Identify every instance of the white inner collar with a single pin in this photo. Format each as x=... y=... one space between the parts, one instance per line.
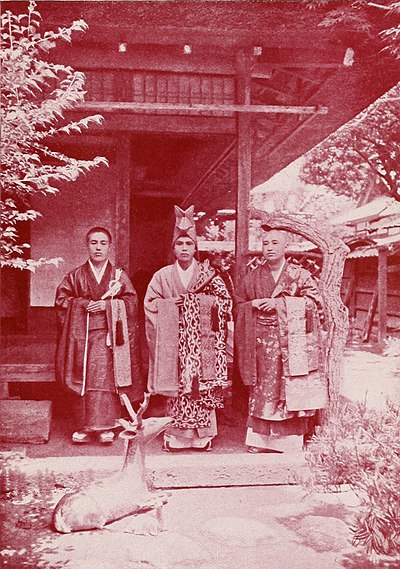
x=98 y=274
x=185 y=274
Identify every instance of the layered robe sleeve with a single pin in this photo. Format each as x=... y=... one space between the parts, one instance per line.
x=245 y=329
x=162 y=332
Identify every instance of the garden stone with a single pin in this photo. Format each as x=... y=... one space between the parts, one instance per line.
x=240 y=531
x=324 y=533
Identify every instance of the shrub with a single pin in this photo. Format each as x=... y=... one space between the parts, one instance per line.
x=361 y=447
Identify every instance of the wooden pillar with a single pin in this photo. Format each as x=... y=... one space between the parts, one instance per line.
x=243 y=162
x=122 y=202
x=382 y=294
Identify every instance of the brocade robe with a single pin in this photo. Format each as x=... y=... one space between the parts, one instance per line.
x=187 y=344
x=281 y=353
x=90 y=361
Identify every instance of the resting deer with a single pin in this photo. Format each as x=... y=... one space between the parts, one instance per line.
x=122 y=494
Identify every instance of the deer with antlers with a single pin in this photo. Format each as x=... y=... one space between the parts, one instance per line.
x=122 y=494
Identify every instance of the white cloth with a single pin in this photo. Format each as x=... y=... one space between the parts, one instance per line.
x=273 y=442
x=185 y=274
x=98 y=274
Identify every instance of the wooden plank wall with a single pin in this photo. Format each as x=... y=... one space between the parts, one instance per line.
x=160 y=87
x=358 y=286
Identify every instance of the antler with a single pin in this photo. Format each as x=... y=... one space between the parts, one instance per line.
x=142 y=409
x=129 y=407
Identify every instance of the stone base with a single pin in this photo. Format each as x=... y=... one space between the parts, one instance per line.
x=196 y=471
x=202 y=470
x=23 y=421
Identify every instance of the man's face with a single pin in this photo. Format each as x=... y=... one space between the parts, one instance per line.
x=98 y=247
x=184 y=249
x=274 y=243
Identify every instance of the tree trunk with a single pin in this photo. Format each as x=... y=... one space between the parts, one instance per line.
x=334 y=253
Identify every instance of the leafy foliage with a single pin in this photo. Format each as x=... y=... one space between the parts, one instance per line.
x=378 y=20
x=35 y=95
x=365 y=150
x=361 y=448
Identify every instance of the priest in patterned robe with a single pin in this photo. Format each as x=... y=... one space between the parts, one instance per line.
x=187 y=307
x=279 y=343
x=98 y=351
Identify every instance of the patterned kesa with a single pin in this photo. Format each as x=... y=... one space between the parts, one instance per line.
x=200 y=356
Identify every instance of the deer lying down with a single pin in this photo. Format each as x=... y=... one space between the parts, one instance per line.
x=119 y=495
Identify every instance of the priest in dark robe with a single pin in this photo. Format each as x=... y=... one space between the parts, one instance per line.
x=279 y=342
x=98 y=351
x=187 y=307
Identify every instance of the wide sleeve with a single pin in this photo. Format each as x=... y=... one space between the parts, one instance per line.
x=67 y=293
x=242 y=295
x=129 y=296
x=162 y=332
x=153 y=294
x=245 y=331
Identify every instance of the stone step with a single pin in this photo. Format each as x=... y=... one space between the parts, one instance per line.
x=27 y=372
x=24 y=421
x=187 y=470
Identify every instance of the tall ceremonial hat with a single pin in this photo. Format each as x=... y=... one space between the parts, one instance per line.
x=185 y=226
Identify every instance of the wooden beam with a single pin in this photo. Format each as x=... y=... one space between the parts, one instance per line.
x=122 y=204
x=140 y=57
x=227 y=152
x=211 y=38
x=306 y=57
x=162 y=124
x=204 y=59
x=243 y=163
x=277 y=147
x=294 y=132
x=382 y=295
x=116 y=107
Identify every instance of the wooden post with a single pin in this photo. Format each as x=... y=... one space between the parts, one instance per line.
x=382 y=294
x=369 y=321
x=243 y=163
x=122 y=202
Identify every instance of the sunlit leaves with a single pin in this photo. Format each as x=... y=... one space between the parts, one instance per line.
x=367 y=148
x=35 y=95
x=378 y=20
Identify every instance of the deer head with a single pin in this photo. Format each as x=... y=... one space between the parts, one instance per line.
x=139 y=430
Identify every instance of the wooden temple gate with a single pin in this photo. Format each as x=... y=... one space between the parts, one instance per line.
x=201 y=102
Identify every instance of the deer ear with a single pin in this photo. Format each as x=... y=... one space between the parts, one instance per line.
x=127 y=434
x=126 y=424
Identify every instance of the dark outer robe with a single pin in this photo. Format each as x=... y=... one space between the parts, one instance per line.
x=187 y=345
x=99 y=407
x=285 y=370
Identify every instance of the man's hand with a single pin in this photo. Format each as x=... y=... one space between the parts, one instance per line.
x=179 y=300
x=96 y=306
x=264 y=304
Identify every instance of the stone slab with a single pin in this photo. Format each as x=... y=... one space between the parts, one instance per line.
x=23 y=421
x=171 y=471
